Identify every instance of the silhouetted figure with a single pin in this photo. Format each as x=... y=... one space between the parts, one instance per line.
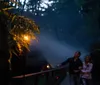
x=86 y=75
x=75 y=64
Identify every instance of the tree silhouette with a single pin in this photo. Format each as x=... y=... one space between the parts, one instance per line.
x=15 y=30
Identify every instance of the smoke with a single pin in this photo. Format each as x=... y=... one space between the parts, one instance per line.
x=53 y=50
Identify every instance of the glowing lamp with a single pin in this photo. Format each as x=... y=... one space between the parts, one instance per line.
x=48 y=66
x=26 y=38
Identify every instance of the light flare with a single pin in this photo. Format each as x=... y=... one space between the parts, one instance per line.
x=48 y=66
x=26 y=38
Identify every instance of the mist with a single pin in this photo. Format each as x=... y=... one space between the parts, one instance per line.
x=53 y=50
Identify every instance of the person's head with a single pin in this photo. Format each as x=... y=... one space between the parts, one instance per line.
x=77 y=54
x=88 y=59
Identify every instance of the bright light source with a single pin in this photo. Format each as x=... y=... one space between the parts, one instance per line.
x=26 y=37
x=40 y=9
x=48 y=66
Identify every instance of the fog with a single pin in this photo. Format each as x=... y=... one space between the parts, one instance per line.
x=53 y=50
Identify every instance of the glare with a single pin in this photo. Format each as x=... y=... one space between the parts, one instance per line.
x=43 y=9
x=25 y=10
x=48 y=66
x=14 y=4
x=17 y=7
x=47 y=2
x=9 y=2
x=38 y=2
x=40 y=9
x=41 y=5
x=22 y=1
x=30 y=10
x=26 y=38
x=44 y=5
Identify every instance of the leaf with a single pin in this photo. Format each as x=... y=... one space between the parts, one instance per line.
x=22 y=26
x=13 y=18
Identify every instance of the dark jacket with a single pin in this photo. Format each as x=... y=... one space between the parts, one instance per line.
x=73 y=65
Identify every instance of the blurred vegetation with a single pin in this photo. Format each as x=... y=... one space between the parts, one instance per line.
x=20 y=29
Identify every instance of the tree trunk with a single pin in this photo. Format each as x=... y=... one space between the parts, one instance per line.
x=4 y=53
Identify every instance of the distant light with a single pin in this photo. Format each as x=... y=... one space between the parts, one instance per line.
x=40 y=9
x=14 y=4
x=79 y=11
x=25 y=10
x=37 y=7
x=22 y=1
x=43 y=9
x=34 y=10
x=47 y=2
x=53 y=9
x=38 y=2
x=9 y=2
x=41 y=5
x=44 y=5
x=48 y=66
x=42 y=14
x=35 y=13
x=30 y=10
x=17 y=7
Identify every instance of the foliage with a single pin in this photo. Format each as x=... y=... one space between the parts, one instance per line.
x=21 y=30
